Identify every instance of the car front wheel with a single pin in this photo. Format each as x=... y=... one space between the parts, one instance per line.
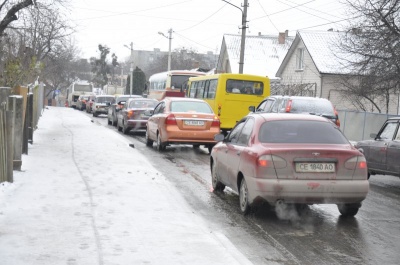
x=349 y=209
x=244 y=197
x=216 y=184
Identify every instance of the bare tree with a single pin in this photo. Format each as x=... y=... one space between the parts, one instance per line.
x=373 y=39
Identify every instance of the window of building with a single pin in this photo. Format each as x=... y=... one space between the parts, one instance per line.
x=300 y=59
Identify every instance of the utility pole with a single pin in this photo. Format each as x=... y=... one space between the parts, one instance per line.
x=169 y=49
x=242 y=43
x=131 y=69
x=244 y=27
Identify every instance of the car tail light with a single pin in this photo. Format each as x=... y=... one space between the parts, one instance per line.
x=356 y=162
x=359 y=165
x=215 y=122
x=267 y=165
x=130 y=113
x=337 y=117
x=288 y=106
x=170 y=120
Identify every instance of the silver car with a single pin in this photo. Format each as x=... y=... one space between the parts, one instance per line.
x=101 y=104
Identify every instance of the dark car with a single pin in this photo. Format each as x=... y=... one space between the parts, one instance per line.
x=132 y=116
x=289 y=159
x=81 y=103
x=298 y=104
x=383 y=151
x=117 y=106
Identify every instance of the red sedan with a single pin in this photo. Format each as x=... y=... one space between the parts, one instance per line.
x=290 y=159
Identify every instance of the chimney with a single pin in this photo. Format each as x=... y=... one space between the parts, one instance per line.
x=281 y=38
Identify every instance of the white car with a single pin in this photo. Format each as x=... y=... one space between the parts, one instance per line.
x=101 y=104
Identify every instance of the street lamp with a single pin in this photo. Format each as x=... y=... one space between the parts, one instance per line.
x=169 y=49
x=242 y=43
x=131 y=69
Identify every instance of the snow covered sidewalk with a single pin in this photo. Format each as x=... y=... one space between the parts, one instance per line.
x=85 y=197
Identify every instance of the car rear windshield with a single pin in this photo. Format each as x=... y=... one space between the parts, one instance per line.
x=105 y=99
x=318 y=107
x=143 y=103
x=301 y=131
x=190 y=106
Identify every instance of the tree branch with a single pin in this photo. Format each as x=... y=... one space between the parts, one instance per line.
x=11 y=14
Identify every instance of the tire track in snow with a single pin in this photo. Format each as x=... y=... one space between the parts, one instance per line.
x=99 y=249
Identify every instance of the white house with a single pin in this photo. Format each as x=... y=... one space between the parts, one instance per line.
x=312 y=67
x=263 y=54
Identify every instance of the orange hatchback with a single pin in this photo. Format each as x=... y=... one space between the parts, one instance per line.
x=178 y=120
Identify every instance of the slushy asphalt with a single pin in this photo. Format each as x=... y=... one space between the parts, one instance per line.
x=85 y=197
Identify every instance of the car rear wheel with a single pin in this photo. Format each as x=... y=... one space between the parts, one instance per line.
x=244 y=197
x=119 y=127
x=149 y=142
x=109 y=122
x=349 y=209
x=160 y=145
x=125 y=129
x=216 y=184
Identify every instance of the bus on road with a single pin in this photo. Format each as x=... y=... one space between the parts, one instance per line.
x=76 y=89
x=170 y=83
x=230 y=95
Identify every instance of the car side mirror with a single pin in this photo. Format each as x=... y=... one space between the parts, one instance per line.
x=149 y=112
x=219 y=137
x=373 y=135
x=252 y=108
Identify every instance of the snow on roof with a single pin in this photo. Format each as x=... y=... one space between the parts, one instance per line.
x=323 y=47
x=263 y=53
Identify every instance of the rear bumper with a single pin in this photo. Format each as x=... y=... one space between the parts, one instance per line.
x=307 y=191
x=136 y=124
x=190 y=137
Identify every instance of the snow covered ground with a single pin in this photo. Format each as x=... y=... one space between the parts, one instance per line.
x=85 y=197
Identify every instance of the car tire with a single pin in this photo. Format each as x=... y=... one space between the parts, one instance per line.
x=244 y=197
x=114 y=121
x=160 y=145
x=119 y=128
x=210 y=147
x=95 y=114
x=149 y=142
x=109 y=122
x=125 y=129
x=217 y=185
x=196 y=146
x=349 y=209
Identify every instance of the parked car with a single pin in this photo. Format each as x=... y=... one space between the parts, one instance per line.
x=101 y=104
x=81 y=103
x=117 y=106
x=89 y=103
x=383 y=151
x=133 y=114
x=289 y=159
x=298 y=104
x=178 y=120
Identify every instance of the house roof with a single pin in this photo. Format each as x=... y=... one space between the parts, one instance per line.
x=323 y=47
x=263 y=53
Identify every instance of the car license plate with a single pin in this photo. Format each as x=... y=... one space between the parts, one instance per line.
x=194 y=123
x=315 y=167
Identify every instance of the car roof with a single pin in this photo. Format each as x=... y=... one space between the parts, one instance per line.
x=183 y=99
x=296 y=97
x=287 y=116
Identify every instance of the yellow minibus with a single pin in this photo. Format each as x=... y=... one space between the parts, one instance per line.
x=230 y=95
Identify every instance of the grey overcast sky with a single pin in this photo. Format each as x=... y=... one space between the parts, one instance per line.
x=197 y=24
